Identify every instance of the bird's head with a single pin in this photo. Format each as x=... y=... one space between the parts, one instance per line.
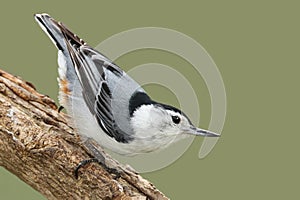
x=158 y=121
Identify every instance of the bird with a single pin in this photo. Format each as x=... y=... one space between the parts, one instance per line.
x=104 y=103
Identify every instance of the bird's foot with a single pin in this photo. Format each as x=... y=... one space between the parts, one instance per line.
x=114 y=171
x=60 y=109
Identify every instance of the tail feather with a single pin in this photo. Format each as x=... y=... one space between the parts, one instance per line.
x=51 y=28
x=62 y=37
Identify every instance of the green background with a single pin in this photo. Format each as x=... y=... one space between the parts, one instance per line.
x=256 y=48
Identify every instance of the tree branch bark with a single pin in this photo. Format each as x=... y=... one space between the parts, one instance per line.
x=38 y=146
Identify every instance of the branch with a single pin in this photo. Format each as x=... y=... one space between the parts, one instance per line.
x=38 y=146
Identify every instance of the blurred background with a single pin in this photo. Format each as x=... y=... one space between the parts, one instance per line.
x=256 y=48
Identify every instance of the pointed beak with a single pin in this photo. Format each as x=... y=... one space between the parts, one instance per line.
x=202 y=132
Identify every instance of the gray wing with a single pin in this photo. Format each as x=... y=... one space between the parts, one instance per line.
x=95 y=72
x=107 y=89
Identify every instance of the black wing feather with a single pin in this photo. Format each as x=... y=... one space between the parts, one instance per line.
x=105 y=117
x=99 y=102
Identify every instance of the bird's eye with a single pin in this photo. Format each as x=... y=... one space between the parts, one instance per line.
x=176 y=119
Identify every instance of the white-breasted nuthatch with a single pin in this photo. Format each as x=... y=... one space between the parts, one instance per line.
x=105 y=104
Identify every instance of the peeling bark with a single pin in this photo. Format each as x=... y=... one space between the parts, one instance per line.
x=38 y=146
